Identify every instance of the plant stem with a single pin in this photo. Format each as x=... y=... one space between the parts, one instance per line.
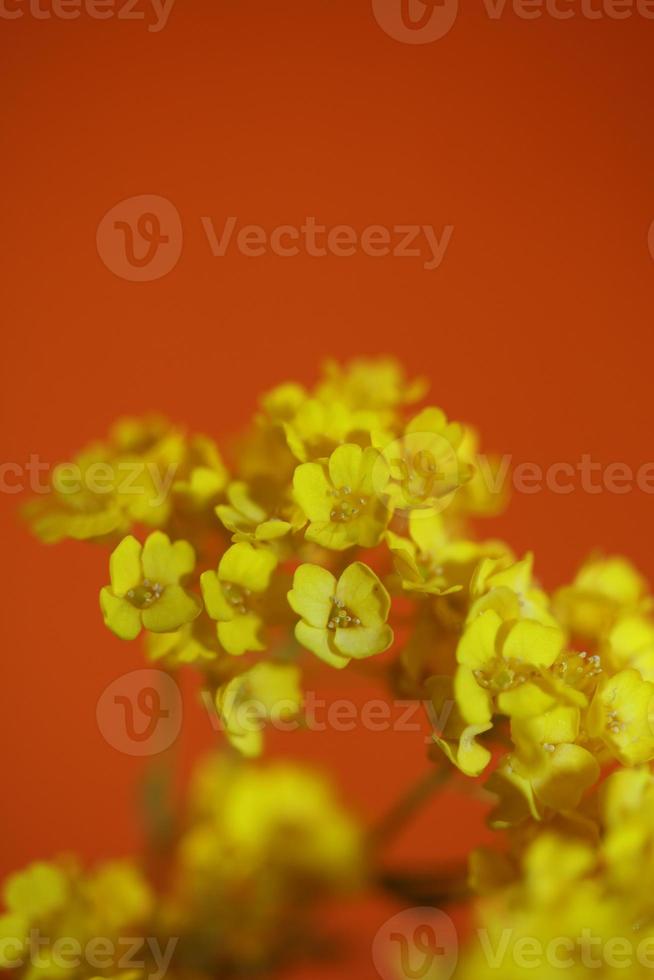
x=407 y=806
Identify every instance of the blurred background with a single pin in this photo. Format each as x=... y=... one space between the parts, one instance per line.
x=529 y=139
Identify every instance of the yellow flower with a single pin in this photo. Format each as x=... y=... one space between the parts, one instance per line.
x=501 y=664
x=631 y=644
x=193 y=643
x=246 y=519
x=341 y=498
x=37 y=892
x=145 y=588
x=369 y=384
x=266 y=692
x=344 y=619
x=558 y=770
x=203 y=475
x=118 y=895
x=509 y=589
x=603 y=589
x=71 y=509
x=454 y=737
x=425 y=469
x=317 y=428
x=232 y=595
x=622 y=716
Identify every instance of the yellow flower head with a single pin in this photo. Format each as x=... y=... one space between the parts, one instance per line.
x=341 y=499
x=622 y=716
x=145 y=588
x=202 y=475
x=500 y=665
x=232 y=595
x=342 y=619
x=247 y=519
x=603 y=589
x=370 y=384
x=266 y=692
x=37 y=892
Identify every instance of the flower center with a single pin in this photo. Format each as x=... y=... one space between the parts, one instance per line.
x=578 y=670
x=504 y=675
x=340 y=617
x=347 y=505
x=236 y=596
x=145 y=594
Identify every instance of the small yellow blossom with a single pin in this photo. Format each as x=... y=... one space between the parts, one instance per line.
x=232 y=595
x=500 y=665
x=37 y=892
x=603 y=589
x=145 y=588
x=247 y=519
x=341 y=500
x=547 y=756
x=622 y=716
x=266 y=692
x=203 y=475
x=341 y=619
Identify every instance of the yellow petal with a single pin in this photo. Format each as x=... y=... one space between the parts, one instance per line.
x=333 y=535
x=474 y=702
x=363 y=594
x=570 y=771
x=345 y=467
x=530 y=642
x=524 y=701
x=317 y=641
x=311 y=596
x=175 y=608
x=125 y=566
x=241 y=634
x=477 y=647
x=359 y=642
x=214 y=598
x=120 y=616
x=247 y=566
x=164 y=562
x=312 y=491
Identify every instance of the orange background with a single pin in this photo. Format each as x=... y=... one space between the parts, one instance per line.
x=532 y=138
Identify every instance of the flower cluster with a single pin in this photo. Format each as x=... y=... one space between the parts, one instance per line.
x=341 y=512
x=258 y=848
